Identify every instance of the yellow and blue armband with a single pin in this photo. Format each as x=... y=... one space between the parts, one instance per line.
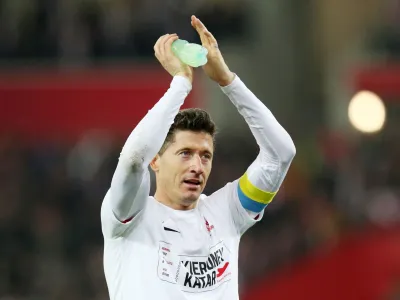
x=251 y=197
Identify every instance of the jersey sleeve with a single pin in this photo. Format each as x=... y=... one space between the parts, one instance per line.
x=241 y=203
x=112 y=226
x=262 y=180
x=130 y=185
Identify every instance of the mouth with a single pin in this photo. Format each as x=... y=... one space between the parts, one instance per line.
x=192 y=183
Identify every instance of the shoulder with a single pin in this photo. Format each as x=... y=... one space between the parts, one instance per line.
x=221 y=197
x=228 y=190
x=112 y=227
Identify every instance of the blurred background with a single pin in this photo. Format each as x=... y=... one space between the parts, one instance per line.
x=77 y=75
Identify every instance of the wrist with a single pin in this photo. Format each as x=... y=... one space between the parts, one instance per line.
x=227 y=80
x=186 y=75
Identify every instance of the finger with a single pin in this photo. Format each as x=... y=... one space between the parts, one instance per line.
x=168 y=43
x=192 y=18
x=201 y=30
x=211 y=39
x=157 y=46
x=200 y=24
x=162 y=44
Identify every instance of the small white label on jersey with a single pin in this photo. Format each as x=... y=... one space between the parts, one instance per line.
x=194 y=273
x=167 y=263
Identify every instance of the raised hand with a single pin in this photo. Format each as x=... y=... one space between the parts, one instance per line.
x=172 y=64
x=216 y=68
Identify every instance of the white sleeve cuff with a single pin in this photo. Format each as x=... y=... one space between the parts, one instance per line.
x=230 y=87
x=181 y=81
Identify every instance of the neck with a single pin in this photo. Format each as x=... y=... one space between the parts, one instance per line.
x=167 y=201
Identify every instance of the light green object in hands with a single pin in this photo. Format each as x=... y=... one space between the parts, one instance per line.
x=193 y=55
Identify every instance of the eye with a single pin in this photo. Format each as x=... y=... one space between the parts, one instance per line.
x=185 y=153
x=207 y=156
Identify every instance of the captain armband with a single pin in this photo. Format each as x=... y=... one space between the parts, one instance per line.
x=251 y=197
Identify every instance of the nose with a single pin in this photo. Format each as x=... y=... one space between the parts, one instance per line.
x=197 y=166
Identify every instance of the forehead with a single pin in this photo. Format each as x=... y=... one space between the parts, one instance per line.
x=201 y=141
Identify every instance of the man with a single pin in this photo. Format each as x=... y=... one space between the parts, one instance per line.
x=181 y=244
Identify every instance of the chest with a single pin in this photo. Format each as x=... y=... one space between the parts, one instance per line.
x=196 y=256
x=194 y=253
x=190 y=236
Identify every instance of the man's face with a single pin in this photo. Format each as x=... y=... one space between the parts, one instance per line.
x=183 y=169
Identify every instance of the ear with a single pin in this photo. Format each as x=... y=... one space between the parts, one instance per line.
x=154 y=164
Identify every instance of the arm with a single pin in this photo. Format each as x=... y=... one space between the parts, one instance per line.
x=259 y=184
x=141 y=147
x=263 y=178
x=130 y=184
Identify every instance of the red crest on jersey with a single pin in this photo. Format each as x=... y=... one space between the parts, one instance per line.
x=208 y=226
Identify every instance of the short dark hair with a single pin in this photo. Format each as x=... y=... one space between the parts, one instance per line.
x=191 y=119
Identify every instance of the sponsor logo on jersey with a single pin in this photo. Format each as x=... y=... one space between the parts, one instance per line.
x=195 y=273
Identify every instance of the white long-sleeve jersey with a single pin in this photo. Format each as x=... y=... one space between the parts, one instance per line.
x=161 y=253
